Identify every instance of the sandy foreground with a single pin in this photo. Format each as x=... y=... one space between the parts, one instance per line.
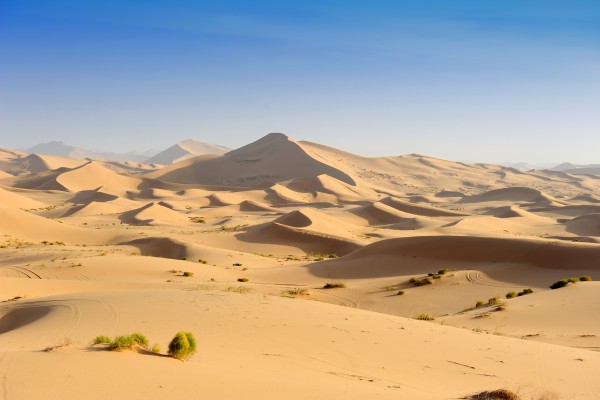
x=92 y=248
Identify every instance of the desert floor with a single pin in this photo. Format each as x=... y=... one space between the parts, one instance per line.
x=237 y=249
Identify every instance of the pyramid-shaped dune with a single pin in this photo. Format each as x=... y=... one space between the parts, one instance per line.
x=273 y=158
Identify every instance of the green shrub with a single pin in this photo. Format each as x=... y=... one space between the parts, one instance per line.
x=156 y=348
x=188 y=274
x=140 y=339
x=334 y=285
x=102 y=340
x=400 y=293
x=123 y=342
x=511 y=295
x=563 y=283
x=242 y=280
x=585 y=278
x=201 y=261
x=493 y=301
x=524 y=292
x=182 y=346
x=443 y=271
x=237 y=264
x=479 y=303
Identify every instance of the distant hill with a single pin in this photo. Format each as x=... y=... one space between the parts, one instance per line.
x=58 y=148
x=186 y=149
x=590 y=169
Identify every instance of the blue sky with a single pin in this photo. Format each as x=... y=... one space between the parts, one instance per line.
x=511 y=80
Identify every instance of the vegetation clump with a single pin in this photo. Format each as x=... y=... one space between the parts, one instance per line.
x=182 y=346
x=563 y=283
x=585 y=278
x=242 y=280
x=123 y=342
x=400 y=293
x=524 y=292
x=296 y=292
x=500 y=394
x=424 y=317
x=511 y=295
x=188 y=274
x=334 y=285
x=238 y=289
x=197 y=220
x=102 y=340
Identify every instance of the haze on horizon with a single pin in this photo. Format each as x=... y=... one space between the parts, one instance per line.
x=466 y=80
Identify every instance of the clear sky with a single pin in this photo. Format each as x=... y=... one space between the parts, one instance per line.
x=477 y=80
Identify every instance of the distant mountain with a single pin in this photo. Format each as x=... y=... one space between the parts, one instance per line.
x=590 y=169
x=525 y=166
x=186 y=149
x=563 y=167
x=58 y=148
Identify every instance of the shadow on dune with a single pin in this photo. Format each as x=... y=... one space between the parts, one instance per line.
x=402 y=256
x=22 y=316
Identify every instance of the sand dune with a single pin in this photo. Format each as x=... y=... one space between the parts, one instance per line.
x=510 y=212
x=153 y=214
x=15 y=200
x=454 y=250
x=24 y=225
x=328 y=358
x=309 y=230
x=184 y=150
x=585 y=225
x=513 y=194
x=341 y=191
x=569 y=211
x=275 y=157
x=78 y=179
x=419 y=209
x=18 y=163
x=380 y=214
x=586 y=198
x=533 y=316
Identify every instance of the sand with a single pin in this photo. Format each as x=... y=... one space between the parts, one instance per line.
x=236 y=247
